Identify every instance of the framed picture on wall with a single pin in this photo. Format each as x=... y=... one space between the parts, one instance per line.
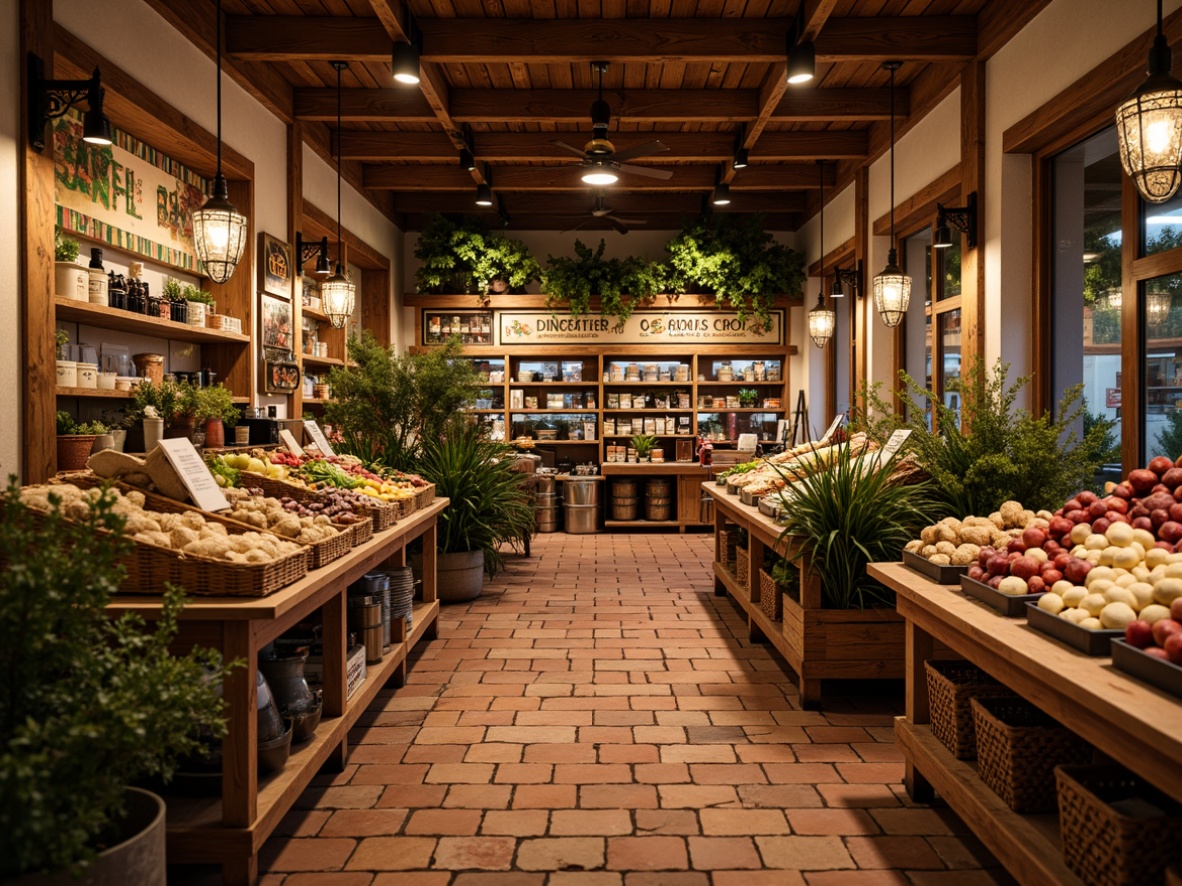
x=278 y=331
x=275 y=269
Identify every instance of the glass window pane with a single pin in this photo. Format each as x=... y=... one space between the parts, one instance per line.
x=1163 y=366
x=950 y=267
x=1163 y=226
x=1086 y=281
x=949 y=325
x=917 y=327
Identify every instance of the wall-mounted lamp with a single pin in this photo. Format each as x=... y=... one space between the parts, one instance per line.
x=306 y=251
x=851 y=277
x=50 y=99
x=963 y=218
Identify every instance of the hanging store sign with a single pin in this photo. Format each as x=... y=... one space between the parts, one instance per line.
x=516 y=328
x=126 y=194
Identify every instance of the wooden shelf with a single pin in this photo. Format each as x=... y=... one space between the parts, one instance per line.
x=1029 y=845
x=94 y=393
x=140 y=324
x=538 y=443
x=640 y=524
x=549 y=384
x=316 y=315
x=572 y=410
x=323 y=361
x=313 y=401
x=648 y=411
x=483 y=411
x=649 y=384
x=658 y=436
x=737 y=384
x=720 y=410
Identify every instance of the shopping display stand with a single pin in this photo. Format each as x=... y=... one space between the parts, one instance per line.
x=232 y=828
x=1120 y=716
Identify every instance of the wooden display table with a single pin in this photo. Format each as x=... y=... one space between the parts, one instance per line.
x=688 y=474
x=1137 y=725
x=231 y=829
x=818 y=643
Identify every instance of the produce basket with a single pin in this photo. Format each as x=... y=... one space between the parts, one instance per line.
x=1124 y=832
x=425 y=496
x=771 y=597
x=728 y=542
x=944 y=575
x=742 y=566
x=1097 y=642
x=951 y=686
x=362 y=531
x=383 y=514
x=1018 y=748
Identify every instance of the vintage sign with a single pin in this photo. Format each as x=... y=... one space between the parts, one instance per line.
x=126 y=194
x=516 y=328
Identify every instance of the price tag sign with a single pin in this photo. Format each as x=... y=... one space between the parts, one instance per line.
x=882 y=457
x=318 y=437
x=833 y=427
x=289 y=441
x=202 y=487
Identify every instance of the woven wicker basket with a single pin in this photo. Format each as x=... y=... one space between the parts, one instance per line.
x=951 y=686
x=1018 y=748
x=383 y=514
x=771 y=597
x=425 y=496
x=362 y=531
x=742 y=566
x=729 y=542
x=1108 y=847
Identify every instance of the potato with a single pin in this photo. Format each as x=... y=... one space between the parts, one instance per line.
x=1117 y=615
x=1125 y=580
x=1167 y=590
x=913 y=547
x=940 y=559
x=945 y=547
x=1146 y=539
x=1075 y=616
x=1117 y=594
x=965 y=555
x=1051 y=602
x=1142 y=594
x=1080 y=533
x=976 y=535
x=1154 y=612
x=1092 y=604
x=1012 y=586
x=1125 y=558
x=1095 y=542
x=1099 y=587
x=927 y=535
x=1062 y=586
x=946 y=534
x=1091 y=624
x=1037 y=554
x=1120 y=534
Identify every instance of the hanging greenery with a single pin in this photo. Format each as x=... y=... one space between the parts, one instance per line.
x=463 y=255
x=621 y=284
x=734 y=259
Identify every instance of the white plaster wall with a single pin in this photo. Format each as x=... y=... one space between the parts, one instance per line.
x=11 y=270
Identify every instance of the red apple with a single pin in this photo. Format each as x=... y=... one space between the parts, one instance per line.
x=1051 y=576
x=1036 y=584
x=1160 y=464
x=1142 y=480
x=1139 y=633
x=1156 y=652
x=1101 y=526
x=1097 y=509
x=1077 y=570
x=1142 y=523
x=1163 y=628
x=1173 y=648
x=1086 y=497
x=1059 y=526
x=1170 y=531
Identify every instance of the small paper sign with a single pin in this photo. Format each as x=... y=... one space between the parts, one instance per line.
x=185 y=460
x=882 y=457
x=289 y=441
x=833 y=427
x=318 y=437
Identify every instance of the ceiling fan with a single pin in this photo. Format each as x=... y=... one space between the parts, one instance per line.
x=600 y=211
x=601 y=161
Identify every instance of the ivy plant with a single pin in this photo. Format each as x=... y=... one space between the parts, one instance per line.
x=621 y=284
x=463 y=255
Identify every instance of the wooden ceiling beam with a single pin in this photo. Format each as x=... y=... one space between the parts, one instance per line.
x=534 y=146
x=566 y=224
x=358 y=105
x=558 y=178
x=565 y=41
x=577 y=205
x=840 y=104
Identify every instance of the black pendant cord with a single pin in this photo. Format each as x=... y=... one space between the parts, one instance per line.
x=821 y=166
x=893 y=158
x=1159 y=16
x=339 y=67
x=218 y=28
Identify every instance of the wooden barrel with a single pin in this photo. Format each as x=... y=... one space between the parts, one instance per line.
x=658 y=500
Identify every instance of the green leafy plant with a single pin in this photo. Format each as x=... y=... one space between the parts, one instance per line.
x=786 y=575
x=1169 y=439
x=488 y=507
x=191 y=293
x=173 y=289
x=643 y=444
x=66 y=426
x=463 y=255
x=215 y=401
x=621 y=285
x=64 y=248
x=389 y=405
x=165 y=398
x=848 y=516
x=61 y=339
x=734 y=259
x=88 y=703
x=1009 y=454
x=748 y=397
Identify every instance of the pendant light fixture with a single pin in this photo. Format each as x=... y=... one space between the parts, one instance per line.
x=219 y=230
x=1149 y=124
x=892 y=288
x=1157 y=308
x=822 y=320
x=338 y=292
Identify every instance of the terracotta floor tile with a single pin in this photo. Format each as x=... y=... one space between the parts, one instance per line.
x=857 y=878
x=493 y=753
x=646 y=854
x=561 y=853
x=831 y=822
x=718 y=753
x=894 y=852
x=757 y=878
x=742 y=822
x=804 y=853
x=515 y=823
x=697 y=796
x=727 y=773
x=342 y=797
x=312 y=854
x=400 y=774
x=524 y=773
x=662 y=773
x=545 y=796
x=392 y=854
x=444 y=822
x=716 y=853
x=484 y=853
x=864 y=795
x=593 y=773
x=559 y=753
x=667 y=822
x=585 y=878
x=304 y=823
x=668 y=878
x=905 y=822
x=478 y=796
x=333 y=878
x=871 y=773
x=629 y=753
x=364 y=823
x=413 y=795
x=596 y=822
x=618 y=796
x=420 y=878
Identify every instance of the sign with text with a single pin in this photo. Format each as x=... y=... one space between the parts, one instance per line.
x=289 y=440
x=833 y=427
x=318 y=437
x=516 y=328
x=186 y=461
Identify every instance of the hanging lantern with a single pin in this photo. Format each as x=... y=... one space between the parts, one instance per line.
x=338 y=295
x=892 y=288
x=822 y=323
x=1157 y=307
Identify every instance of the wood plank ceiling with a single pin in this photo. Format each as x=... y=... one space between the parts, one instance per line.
x=705 y=77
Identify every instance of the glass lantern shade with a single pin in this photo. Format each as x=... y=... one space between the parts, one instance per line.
x=1157 y=307
x=1114 y=299
x=338 y=294
x=892 y=293
x=822 y=323
x=1149 y=125
x=219 y=234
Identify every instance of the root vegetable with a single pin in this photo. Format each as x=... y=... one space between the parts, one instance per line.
x=1154 y=613
x=1051 y=602
x=1091 y=624
x=1139 y=633
x=1142 y=480
x=1012 y=586
x=1160 y=465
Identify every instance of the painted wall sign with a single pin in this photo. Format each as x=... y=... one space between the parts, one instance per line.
x=127 y=194
x=516 y=328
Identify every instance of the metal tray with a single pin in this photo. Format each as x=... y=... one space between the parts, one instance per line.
x=945 y=575
x=748 y=498
x=1014 y=607
x=1158 y=672
x=771 y=506
x=1090 y=642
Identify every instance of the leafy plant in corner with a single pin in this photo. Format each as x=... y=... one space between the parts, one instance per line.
x=66 y=426
x=61 y=339
x=488 y=507
x=848 y=516
x=733 y=258
x=748 y=397
x=88 y=703
x=64 y=248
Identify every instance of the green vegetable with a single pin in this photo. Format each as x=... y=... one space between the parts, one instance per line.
x=223 y=473
x=328 y=474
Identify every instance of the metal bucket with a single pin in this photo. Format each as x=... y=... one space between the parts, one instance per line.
x=580 y=491
x=549 y=520
x=546 y=483
x=581 y=519
x=546 y=500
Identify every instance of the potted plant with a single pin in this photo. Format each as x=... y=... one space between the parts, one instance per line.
x=75 y=441
x=67 y=370
x=152 y=410
x=643 y=444
x=463 y=255
x=214 y=409
x=184 y=417
x=199 y=304
x=70 y=279
x=619 y=284
x=489 y=507
x=748 y=397
x=89 y=704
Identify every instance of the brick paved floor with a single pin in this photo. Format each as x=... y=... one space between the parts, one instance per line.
x=599 y=718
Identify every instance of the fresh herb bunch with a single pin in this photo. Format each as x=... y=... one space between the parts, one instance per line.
x=390 y=405
x=620 y=284
x=89 y=703
x=848 y=516
x=67 y=426
x=736 y=260
x=167 y=398
x=488 y=507
x=748 y=397
x=64 y=248
x=172 y=289
x=215 y=401
x=322 y=473
x=191 y=293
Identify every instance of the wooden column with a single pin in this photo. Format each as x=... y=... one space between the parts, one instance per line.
x=972 y=167
x=860 y=310
x=295 y=223
x=38 y=394
x=375 y=303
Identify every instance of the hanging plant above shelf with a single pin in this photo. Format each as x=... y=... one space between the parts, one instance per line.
x=732 y=258
x=465 y=256
x=621 y=285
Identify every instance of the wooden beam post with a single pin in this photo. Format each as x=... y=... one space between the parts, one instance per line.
x=972 y=167
x=861 y=309
x=295 y=218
